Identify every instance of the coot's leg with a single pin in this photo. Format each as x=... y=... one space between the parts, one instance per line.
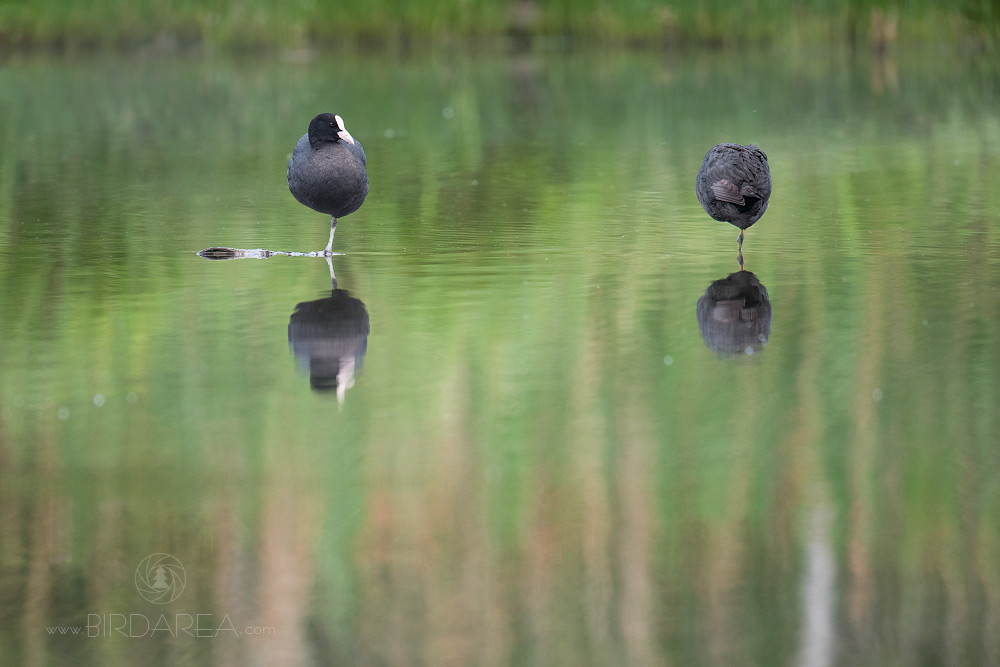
x=740 y=240
x=333 y=228
x=333 y=278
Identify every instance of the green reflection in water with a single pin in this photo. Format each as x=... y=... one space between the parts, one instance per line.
x=541 y=461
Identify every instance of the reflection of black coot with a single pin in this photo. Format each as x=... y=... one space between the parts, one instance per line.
x=734 y=314
x=329 y=337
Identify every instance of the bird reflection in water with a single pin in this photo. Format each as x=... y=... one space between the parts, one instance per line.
x=734 y=315
x=329 y=338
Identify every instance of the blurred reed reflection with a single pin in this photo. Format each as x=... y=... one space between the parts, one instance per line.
x=734 y=314
x=329 y=338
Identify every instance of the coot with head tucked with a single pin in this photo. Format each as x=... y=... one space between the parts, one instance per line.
x=734 y=184
x=327 y=170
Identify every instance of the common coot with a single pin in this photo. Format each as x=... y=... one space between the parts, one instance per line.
x=734 y=184
x=327 y=170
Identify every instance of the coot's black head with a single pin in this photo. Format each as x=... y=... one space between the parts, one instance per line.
x=328 y=127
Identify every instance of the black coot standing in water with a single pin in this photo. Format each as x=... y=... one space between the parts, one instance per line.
x=734 y=185
x=327 y=170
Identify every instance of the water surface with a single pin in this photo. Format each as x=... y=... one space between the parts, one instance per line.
x=539 y=455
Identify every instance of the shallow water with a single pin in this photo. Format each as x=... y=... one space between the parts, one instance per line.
x=537 y=453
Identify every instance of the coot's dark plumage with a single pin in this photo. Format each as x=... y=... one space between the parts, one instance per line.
x=327 y=170
x=734 y=314
x=734 y=184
